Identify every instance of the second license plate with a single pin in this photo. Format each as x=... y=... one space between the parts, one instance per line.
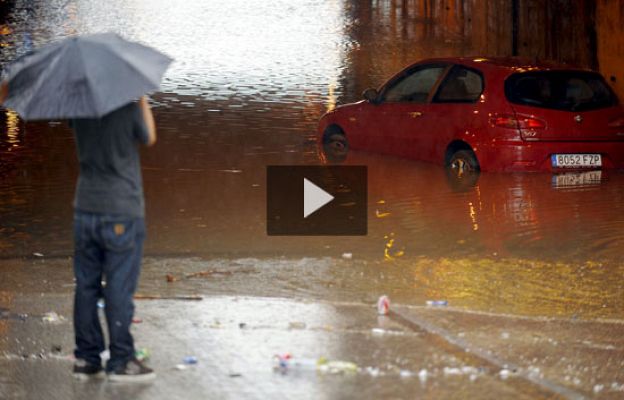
x=576 y=160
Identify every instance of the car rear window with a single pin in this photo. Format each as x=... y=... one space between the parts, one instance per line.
x=560 y=90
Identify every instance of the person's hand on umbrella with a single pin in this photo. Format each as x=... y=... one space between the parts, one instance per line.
x=148 y=117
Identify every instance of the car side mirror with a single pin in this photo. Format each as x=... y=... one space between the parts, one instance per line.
x=371 y=95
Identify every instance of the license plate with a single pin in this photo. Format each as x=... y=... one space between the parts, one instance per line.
x=576 y=160
x=571 y=179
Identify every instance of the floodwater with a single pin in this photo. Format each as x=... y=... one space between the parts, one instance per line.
x=250 y=81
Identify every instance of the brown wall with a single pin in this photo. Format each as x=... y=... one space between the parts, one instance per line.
x=393 y=33
x=561 y=30
x=610 y=33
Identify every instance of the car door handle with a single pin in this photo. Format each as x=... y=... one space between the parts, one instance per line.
x=415 y=114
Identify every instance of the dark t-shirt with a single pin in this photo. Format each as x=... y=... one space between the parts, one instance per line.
x=110 y=168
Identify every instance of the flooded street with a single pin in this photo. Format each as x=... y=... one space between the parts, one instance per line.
x=249 y=83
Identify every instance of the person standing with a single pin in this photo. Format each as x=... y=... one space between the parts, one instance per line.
x=109 y=230
x=93 y=80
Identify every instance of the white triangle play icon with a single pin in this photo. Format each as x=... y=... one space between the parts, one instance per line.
x=313 y=198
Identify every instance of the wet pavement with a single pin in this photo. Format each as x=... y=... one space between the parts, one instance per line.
x=236 y=361
x=235 y=315
x=530 y=264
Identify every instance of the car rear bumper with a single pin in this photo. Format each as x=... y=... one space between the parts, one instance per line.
x=536 y=156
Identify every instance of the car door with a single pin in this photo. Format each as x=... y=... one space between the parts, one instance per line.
x=404 y=103
x=454 y=107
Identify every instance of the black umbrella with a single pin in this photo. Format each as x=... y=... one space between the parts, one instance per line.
x=83 y=77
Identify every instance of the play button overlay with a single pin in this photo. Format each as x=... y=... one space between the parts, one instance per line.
x=316 y=200
x=313 y=197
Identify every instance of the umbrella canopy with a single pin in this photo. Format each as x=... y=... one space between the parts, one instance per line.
x=83 y=77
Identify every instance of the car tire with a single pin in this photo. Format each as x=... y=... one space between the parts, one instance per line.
x=335 y=146
x=462 y=171
x=463 y=161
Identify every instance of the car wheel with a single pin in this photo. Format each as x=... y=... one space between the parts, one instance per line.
x=335 y=146
x=461 y=182
x=463 y=161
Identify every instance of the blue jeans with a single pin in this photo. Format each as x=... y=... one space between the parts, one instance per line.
x=106 y=247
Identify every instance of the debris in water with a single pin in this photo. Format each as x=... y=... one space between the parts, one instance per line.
x=422 y=375
x=52 y=318
x=504 y=373
x=383 y=305
x=437 y=303
x=286 y=362
x=38 y=254
x=347 y=256
x=598 y=388
x=142 y=354
x=190 y=360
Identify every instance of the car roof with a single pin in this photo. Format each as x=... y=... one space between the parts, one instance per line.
x=512 y=64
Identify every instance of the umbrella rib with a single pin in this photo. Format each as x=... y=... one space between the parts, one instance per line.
x=41 y=79
x=117 y=54
x=138 y=71
x=94 y=97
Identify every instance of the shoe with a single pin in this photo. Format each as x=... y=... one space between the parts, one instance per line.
x=84 y=370
x=133 y=371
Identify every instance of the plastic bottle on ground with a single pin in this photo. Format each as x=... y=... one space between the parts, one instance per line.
x=437 y=303
x=190 y=360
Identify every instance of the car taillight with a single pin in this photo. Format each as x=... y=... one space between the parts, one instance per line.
x=517 y=122
x=505 y=121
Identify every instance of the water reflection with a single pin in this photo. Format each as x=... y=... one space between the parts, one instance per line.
x=250 y=82
x=519 y=215
x=12 y=122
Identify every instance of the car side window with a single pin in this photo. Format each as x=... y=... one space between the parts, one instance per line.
x=462 y=85
x=415 y=86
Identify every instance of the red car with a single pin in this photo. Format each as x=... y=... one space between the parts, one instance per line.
x=491 y=114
